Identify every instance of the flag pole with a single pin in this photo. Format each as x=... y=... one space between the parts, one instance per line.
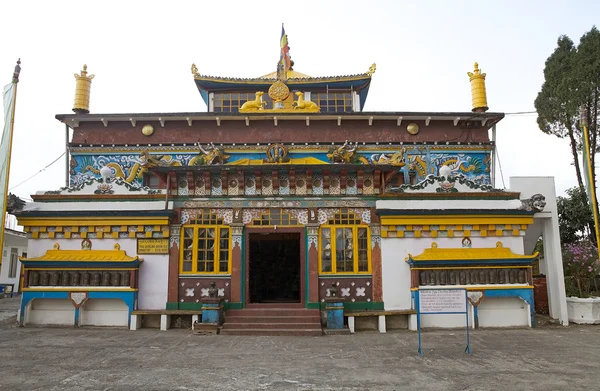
x=15 y=81
x=589 y=172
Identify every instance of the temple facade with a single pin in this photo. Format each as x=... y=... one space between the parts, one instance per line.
x=283 y=194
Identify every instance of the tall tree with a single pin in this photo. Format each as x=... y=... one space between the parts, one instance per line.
x=572 y=81
x=557 y=103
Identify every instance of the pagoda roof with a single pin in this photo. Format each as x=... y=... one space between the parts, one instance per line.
x=489 y=256
x=296 y=80
x=66 y=258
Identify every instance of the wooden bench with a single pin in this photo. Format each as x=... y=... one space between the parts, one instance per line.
x=381 y=326
x=165 y=317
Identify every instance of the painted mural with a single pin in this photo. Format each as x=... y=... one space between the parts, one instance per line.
x=419 y=161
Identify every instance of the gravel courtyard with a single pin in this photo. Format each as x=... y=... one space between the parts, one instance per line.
x=547 y=358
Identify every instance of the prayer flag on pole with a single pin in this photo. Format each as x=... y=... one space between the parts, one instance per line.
x=285 y=59
x=590 y=183
x=9 y=98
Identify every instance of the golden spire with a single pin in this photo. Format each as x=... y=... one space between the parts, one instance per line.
x=478 y=94
x=83 y=85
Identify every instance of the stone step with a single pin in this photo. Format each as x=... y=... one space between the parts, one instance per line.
x=272 y=319
x=273 y=332
x=263 y=326
x=248 y=312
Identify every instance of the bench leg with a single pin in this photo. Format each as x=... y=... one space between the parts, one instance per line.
x=351 y=324
x=136 y=322
x=165 y=322
x=412 y=322
x=195 y=319
x=381 y=323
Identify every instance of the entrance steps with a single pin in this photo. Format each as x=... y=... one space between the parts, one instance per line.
x=272 y=321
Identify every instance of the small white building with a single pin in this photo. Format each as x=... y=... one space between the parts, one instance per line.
x=15 y=246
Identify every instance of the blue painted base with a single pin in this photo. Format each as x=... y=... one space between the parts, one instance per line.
x=130 y=299
x=335 y=315
x=212 y=313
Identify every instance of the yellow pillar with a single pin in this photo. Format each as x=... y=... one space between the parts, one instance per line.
x=83 y=85
x=478 y=95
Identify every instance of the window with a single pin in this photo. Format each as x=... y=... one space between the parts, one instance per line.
x=205 y=245
x=274 y=217
x=231 y=102
x=12 y=267
x=344 y=244
x=336 y=102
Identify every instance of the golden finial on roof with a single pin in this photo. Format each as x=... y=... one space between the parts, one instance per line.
x=194 y=70
x=372 y=69
x=83 y=85
x=478 y=94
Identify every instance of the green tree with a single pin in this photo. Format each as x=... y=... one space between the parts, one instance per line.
x=575 y=218
x=557 y=104
x=572 y=82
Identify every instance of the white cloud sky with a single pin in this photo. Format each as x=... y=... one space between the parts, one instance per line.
x=141 y=53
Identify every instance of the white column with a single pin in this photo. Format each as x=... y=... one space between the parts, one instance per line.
x=165 y=322
x=555 y=277
x=351 y=324
x=381 y=324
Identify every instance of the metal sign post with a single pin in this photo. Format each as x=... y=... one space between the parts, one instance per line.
x=441 y=302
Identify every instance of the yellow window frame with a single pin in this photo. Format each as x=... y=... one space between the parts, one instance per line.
x=355 y=228
x=217 y=249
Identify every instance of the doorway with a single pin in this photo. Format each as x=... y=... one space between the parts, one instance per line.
x=274 y=267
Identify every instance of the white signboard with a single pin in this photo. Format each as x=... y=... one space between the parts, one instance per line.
x=442 y=300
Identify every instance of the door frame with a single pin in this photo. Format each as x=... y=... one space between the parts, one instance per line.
x=274 y=230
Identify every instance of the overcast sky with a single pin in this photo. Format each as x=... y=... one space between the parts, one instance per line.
x=141 y=53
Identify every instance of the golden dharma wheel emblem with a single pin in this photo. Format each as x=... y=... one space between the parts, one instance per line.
x=279 y=91
x=412 y=128
x=147 y=130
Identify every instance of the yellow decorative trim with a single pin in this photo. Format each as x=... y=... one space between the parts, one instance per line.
x=56 y=254
x=81 y=289
x=471 y=267
x=449 y=254
x=442 y=221
x=79 y=268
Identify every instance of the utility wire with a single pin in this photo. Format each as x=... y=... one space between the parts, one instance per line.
x=43 y=169
x=521 y=113
x=500 y=167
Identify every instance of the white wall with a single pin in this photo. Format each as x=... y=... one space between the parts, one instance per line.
x=104 y=312
x=396 y=272
x=12 y=241
x=154 y=282
x=50 y=312
x=503 y=312
x=154 y=270
x=529 y=186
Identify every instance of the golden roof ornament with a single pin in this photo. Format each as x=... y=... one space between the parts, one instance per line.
x=372 y=69
x=83 y=85
x=478 y=93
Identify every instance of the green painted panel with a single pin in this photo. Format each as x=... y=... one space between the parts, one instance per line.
x=172 y=305
x=233 y=306
x=190 y=306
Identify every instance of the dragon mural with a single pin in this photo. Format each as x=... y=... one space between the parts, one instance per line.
x=474 y=165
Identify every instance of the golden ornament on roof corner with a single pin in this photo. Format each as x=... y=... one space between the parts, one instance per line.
x=478 y=94
x=83 y=85
x=372 y=69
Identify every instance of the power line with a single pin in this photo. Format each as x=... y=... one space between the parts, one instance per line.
x=521 y=113
x=500 y=167
x=43 y=169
